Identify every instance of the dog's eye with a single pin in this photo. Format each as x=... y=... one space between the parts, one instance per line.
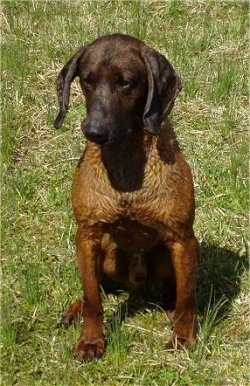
x=124 y=84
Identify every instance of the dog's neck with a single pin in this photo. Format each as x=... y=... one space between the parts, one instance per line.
x=125 y=161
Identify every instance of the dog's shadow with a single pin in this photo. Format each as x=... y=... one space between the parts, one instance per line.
x=219 y=283
x=219 y=278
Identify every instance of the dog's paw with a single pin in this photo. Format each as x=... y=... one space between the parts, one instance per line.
x=73 y=314
x=179 y=343
x=89 y=350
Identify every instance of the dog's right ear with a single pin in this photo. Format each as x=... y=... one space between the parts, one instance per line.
x=65 y=77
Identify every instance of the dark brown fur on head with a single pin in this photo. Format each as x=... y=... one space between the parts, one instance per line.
x=126 y=85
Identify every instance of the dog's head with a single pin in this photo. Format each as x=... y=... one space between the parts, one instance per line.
x=126 y=85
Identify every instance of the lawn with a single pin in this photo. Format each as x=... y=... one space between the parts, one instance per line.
x=206 y=41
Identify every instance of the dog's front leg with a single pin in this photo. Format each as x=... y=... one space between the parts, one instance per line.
x=91 y=343
x=184 y=257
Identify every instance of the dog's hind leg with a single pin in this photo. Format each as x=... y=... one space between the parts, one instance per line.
x=73 y=313
x=161 y=268
x=169 y=296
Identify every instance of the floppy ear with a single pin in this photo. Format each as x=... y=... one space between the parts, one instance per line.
x=163 y=87
x=65 y=77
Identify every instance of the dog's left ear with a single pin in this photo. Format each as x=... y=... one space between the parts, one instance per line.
x=163 y=87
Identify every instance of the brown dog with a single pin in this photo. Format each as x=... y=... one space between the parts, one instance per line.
x=133 y=195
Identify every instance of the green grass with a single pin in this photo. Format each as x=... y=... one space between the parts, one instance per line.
x=207 y=43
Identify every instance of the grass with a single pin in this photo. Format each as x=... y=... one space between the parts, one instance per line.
x=207 y=43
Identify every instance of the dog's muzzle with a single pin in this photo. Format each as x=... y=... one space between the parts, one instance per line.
x=95 y=133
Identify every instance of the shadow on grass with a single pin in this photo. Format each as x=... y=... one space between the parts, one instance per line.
x=219 y=277
x=219 y=283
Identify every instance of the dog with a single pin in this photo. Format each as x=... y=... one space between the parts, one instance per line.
x=133 y=195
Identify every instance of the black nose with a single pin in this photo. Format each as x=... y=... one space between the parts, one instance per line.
x=95 y=133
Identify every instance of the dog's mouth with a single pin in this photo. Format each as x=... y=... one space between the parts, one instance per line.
x=98 y=139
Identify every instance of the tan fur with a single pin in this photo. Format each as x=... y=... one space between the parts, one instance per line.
x=133 y=199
